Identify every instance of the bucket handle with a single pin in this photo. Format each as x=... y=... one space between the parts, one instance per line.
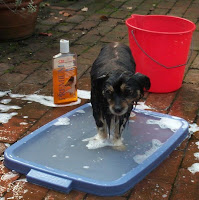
x=156 y=60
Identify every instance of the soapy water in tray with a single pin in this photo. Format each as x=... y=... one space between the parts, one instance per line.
x=64 y=146
x=164 y=123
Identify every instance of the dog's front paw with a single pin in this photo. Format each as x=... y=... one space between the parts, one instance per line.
x=118 y=144
x=96 y=142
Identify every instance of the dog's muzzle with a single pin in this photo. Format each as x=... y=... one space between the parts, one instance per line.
x=118 y=110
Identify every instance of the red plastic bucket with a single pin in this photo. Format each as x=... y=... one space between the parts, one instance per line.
x=160 y=46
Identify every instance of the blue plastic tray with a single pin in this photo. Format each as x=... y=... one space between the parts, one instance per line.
x=55 y=156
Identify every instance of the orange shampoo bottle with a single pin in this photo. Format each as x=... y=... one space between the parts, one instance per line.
x=64 y=75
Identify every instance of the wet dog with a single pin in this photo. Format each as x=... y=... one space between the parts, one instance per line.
x=115 y=89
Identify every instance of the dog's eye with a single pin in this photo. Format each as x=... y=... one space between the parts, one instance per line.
x=108 y=92
x=127 y=92
x=130 y=93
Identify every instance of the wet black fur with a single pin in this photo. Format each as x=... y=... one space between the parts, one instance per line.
x=113 y=67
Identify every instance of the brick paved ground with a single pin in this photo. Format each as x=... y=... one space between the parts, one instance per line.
x=25 y=67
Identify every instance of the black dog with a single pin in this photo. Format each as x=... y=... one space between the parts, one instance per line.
x=115 y=89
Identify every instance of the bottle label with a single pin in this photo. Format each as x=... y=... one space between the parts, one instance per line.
x=64 y=62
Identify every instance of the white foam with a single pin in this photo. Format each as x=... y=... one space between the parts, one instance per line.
x=44 y=100
x=5 y=101
x=164 y=123
x=83 y=94
x=97 y=142
x=196 y=155
x=5 y=108
x=23 y=123
x=132 y=114
x=194 y=168
x=142 y=106
x=80 y=111
x=8 y=176
x=62 y=121
x=197 y=143
x=140 y=158
x=86 y=167
x=5 y=117
x=15 y=96
x=3 y=93
x=193 y=128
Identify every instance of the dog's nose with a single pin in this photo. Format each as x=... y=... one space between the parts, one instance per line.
x=118 y=109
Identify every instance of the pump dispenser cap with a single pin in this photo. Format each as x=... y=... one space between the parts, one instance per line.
x=64 y=46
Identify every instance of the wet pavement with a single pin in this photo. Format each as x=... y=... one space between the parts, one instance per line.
x=26 y=69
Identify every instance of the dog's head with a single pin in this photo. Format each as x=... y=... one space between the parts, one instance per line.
x=123 y=90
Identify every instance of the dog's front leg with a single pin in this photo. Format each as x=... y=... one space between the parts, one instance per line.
x=102 y=129
x=117 y=139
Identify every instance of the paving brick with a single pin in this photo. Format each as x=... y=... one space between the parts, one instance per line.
x=6 y=180
x=42 y=28
x=93 y=8
x=87 y=25
x=182 y=3
x=191 y=59
x=123 y=13
x=84 y=83
x=45 y=53
x=11 y=131
x=116 y=34
x=195 y=63
x=25 y=190
x=167 y=170
x=188 y=93
x=52 y=20
x=74 y=35
x=41 y=76
x=79 y=49
x=26 y=88
x=65 y=27
x=5 y=67
x=106 y=26
x=3 y=169
x=78 y=5
x=192 y=10
x=2 y=148
x=185 y=110
x=92 y=53
x=151 y=189
x=165 y=4
x=90 y=38
x=160 y=11
x=83 y=65
x=73 y=195
x=33 y=110
x=92 y=197
x=9 y=80
x=189 y=158
x=160 y=102
x=27 y=67
x=192 y=76
x=186 y=104
x=47 y=90
x=197 y=26
x=76 y=19
x=186 y=186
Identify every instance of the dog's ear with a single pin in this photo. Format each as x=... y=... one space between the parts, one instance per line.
x=98 y=81
x=143 y=80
